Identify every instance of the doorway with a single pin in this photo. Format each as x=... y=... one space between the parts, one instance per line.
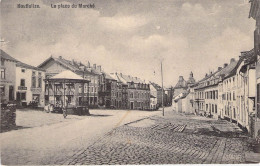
x=132 y=105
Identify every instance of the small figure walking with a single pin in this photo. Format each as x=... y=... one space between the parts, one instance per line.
x=64 y=110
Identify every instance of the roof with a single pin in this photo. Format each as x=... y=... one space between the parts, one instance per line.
x=71 y=65
x=121 y=79
x=109 y=76
x=255 y=9
x=6 y=56
x=247 y=57
x=181 y=83
x=67 y=75
x=156 y=86
x=131 y=79
x=24 y=65
x=151 y=96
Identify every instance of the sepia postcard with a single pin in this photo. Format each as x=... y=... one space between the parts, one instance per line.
x=130 y=82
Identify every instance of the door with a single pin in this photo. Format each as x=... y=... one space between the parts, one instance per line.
x=18 y=96
x=132 y=106
x=11 y=93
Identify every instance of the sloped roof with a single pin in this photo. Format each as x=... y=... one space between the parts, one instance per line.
x=67 y=74
x=72 y=65
x=131 y=79
x=227 y=70
x=109 y=76
x=24 y=65
x=156 y=86
x=6 y=56
x=121 y=79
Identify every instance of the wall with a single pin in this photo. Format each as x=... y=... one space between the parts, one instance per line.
x=30 y=91
x=10 y=74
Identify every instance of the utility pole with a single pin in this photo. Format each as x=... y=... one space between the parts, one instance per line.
x=162 y=89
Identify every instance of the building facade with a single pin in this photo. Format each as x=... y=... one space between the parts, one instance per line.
x=54 y=66
x=30 y=86
x=138 y=92
x=156 y=91
x=255 y=14
x=8 y=75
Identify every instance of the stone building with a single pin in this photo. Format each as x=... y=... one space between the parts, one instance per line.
x=30 y=87
x=181 y=86
x=138 y=92
x=156 y=91
x=183 y=99
x=8 y=75
x=255 y=14
x=245 y=75
x=54 y=66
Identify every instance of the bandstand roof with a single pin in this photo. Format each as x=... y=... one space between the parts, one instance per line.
x=67 y=76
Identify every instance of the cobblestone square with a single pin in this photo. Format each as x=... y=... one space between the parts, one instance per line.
x=173 y=139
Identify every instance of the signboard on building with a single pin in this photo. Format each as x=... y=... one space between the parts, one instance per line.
x=22 y=88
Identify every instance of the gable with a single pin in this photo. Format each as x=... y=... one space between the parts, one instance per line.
x=53 y=67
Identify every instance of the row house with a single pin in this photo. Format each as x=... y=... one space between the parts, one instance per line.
x=199 y=99
x=87 y=92
x=21 y=82
x=229 y=93
x=168 y=96
x=255 y=14
x=29 y=85
x=106 y=93
x=156 y=91
x=8 y=75
x=120 y=92
x=239 y=91
x=138 y=92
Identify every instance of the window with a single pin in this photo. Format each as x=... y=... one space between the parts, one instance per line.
x=2 y=62
x=23 y=70
x=39 y=80
x=22 y=83
x=33 y=80
x=2 y=73
x=131 y=95
x=234 y=96
x=23 y=96
x=2 y=90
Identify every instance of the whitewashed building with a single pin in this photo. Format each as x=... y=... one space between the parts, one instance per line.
x=29 y=87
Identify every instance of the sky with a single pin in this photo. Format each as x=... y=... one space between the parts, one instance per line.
x=131 y=37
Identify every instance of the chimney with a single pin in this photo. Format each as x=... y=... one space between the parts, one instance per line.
x=206 y=75
x=99 y=68
x=219 y=68
x=94 y=66
x=191 y=74
x=225 y=65
x=88 y=64
x=60 y=57
x=121 y=74
x=232 y=60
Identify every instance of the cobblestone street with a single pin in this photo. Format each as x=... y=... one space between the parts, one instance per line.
x=173 y=139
